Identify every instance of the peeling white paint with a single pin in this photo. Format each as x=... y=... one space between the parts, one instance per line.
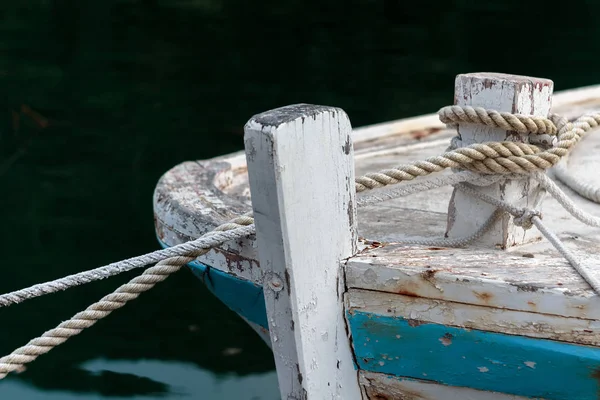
x=295 y=154
x=465 y=316
x=390 y=387
x=503 y=93
x=445 y=341
x=530 y=364
x=184 y=214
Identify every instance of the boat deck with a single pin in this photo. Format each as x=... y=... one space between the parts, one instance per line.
x=196 y=196
x=538 y=316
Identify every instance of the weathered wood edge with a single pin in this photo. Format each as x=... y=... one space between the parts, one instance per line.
x=381 y=130
x=411 y=271
x=377 y=386
x=177 y=220
x=488 y=361
x=301 y=175
x=488 y=319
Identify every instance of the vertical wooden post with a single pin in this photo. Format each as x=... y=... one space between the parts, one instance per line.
x=301 y=172
x=503 y=93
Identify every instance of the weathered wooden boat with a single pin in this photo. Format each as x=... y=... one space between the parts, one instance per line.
x=349 y=309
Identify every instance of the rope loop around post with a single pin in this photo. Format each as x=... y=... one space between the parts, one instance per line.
x=507 y=121
x=493 y=157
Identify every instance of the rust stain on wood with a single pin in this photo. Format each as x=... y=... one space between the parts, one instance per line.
x=413 y=323
x=483 y=296
x=446 y=340
x=423 y=133
x=408 y=289
x=373 y=244
x=429 y=274
x=234 y=261
x=376 y=393
x=407 y=293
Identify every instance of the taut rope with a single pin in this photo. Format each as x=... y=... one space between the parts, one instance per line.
x=490 y=161
x=493 y=157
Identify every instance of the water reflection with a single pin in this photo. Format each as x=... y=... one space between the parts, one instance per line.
x=172 y=380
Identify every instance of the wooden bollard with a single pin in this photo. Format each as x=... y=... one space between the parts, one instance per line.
x=503 y=93
x=301 y=172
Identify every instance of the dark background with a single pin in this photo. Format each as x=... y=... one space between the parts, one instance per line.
x=99 y=98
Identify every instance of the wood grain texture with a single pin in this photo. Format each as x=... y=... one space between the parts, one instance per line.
x=503 y=93
x=524 y=323
x=301 y=173
x=482 y=360
x=543 y=284
x=387 y=387
x=196 y=196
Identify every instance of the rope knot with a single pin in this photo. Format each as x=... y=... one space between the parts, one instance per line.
x=524 y=220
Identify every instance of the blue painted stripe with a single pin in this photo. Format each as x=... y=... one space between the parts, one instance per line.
x=240 y=295
x=516 y=365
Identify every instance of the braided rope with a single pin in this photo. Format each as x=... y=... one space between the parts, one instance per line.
x=493 y=157
x=205 y=242
x=16 y=360
x=507 y=121
x=527 y=218
x=486 y=158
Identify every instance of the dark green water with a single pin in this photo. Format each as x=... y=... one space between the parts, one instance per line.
x=99 y=98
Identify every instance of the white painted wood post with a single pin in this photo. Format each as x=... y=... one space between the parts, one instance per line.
x=301 y=172
x=503 y=93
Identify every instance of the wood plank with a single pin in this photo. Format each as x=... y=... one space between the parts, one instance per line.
x=195 y=197
x=531 y=274
x=301 y=173
x=387 y=387
x=421 y=311
x=475 y=276
x=190 y=200
x=517 y=365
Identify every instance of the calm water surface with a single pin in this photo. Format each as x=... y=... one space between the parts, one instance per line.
x=99 y=98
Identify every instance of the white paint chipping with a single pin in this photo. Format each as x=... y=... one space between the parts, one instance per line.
x=301 y=173
x=390 y=387
x=446 y=341
x=480 y=317
x=189 y=198
x=503 y=93
x=189 y=207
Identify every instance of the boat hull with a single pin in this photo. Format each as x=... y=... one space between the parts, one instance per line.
x=423 y=322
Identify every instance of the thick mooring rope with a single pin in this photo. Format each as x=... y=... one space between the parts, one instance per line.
x=509 y=122
x=16 y=360
x=493 y=157
x=208 y=241
x=237 y=228
x=499 y=158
